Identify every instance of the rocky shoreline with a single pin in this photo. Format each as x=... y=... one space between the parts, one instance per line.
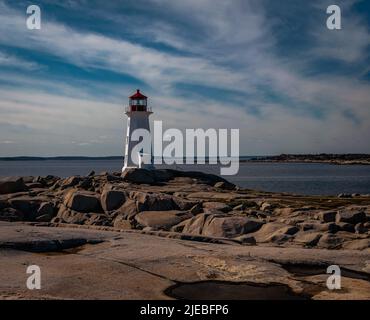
x=192 y=214
x=189 y=203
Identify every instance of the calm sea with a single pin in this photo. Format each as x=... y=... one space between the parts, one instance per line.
x=299 y=178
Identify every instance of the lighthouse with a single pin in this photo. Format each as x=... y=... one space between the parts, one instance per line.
x=138 y=114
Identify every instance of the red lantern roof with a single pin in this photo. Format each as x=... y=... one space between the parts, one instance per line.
x=138 y=95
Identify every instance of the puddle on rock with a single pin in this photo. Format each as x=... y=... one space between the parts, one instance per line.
x=302 y=270
x=221 y=290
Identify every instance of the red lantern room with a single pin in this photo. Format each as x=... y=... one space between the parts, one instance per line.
x=138 y=102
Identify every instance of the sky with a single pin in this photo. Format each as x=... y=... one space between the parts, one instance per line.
x=269 y=68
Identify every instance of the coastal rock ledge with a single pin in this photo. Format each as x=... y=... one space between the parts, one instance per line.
x=188 y=205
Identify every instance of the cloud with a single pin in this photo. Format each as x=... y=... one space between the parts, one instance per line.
x=349 y=44
x=89 y=50
x=228 y=50
x=13 y=61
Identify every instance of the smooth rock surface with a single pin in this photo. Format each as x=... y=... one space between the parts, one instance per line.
x=11 y=185
x=99 y=264
x=162 y=219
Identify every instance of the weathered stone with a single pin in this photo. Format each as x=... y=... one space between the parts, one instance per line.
x=12 y=185
x=308 y=225
x=239 y=207
x=206 y=178
x=113 y=178
x=214 y=212
x=230 y=226
x=82 y=201
x=275 y=232
x=183 y=204
x=163 y=175
x=330 y=241
x=44 y=218
x=47 y=181
x=91 y=174
x=121 y=223
x=139 y=176
x=330 y=227
x=283 y=234
x=214 y=196
x=161 y=219
x=360 y=228
x=66 y=215
x=289 y=230
x=351 y=215
x=344 y=226
x=246 y=239
x=219 y=206
x=266 y=206
x=326 y=216
x=97 y=219
x=294 y=221
x=198 y=208
x=128 y=210
x=112 y=199
x=153 y=202
x=28 y=179
x=189 y=182
x=360 y=244
x=284 y=211
x=70 y=182
x=224 y=185
x=3 y=204
x=180 y=226
x=315 y=226
x=46 y=208
x=308 y=239
x=34 y=185
x=195 y=225
x=85 y=183
x=28 y=205
x=11 y=214
x=24 y=204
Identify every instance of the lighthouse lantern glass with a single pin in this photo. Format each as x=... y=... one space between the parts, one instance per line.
x=138 y=102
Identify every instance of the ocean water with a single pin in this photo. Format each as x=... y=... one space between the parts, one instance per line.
x=299 y=178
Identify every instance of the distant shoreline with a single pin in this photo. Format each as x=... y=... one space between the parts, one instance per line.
x=26 y=158
x=338 y=159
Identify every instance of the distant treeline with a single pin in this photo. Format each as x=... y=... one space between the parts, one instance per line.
x=322 y=157
x=24 y=158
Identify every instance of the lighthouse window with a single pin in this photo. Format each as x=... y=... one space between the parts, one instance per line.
x=135 y=102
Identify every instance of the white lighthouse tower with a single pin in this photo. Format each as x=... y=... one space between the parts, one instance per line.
x=138 y=114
